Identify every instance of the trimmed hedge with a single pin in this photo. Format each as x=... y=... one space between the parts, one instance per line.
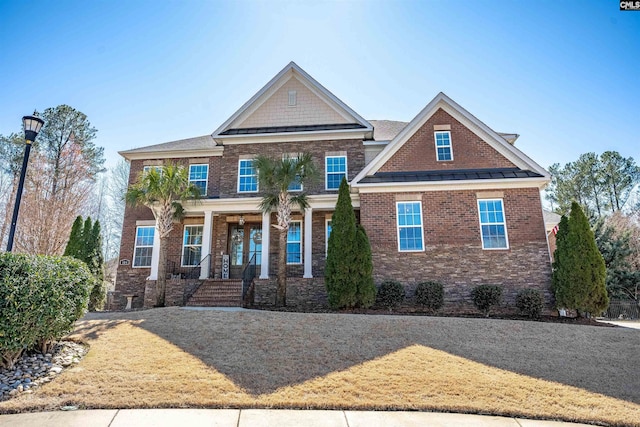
x=390 y=294
x=486 y=296
x=41 y=297
x=530 y=302
x=430 y=295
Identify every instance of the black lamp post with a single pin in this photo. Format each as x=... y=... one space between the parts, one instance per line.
x=32 y=126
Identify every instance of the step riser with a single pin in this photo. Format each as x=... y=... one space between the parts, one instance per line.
x=217 y=293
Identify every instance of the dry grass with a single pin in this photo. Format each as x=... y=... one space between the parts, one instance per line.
x=179 y=358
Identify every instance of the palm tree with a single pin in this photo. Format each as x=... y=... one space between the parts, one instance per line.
x=275 y=179
x=163 y=190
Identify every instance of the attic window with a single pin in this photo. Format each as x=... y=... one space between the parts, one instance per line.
x=293 y=101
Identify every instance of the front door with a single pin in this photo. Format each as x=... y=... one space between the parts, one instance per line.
x=245 y=241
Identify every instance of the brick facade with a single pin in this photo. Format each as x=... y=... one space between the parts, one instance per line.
x=469 y=151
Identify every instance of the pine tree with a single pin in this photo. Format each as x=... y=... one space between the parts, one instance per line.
x=75 y=239
x=340 y=267
x=84 y=251
x=95 y=261
x=579 y=269
x=365 y=288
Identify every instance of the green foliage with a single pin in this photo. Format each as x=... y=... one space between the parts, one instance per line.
x=390 y=294
x=363 y=277
x=40 y=299
x=341 y=266
x=616 y=249
x=74 y=246
x=578 y=269
x=485 y=297
x=85 y=244
x=530 y=302
x=430 y=295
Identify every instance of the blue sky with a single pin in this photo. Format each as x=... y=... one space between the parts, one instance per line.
x=564 y=75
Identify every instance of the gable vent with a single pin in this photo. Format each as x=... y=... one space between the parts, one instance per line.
x=292 y=98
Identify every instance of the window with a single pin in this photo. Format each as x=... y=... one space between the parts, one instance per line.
x=409 y=226
x=143 y=247
x=296 y=185
x=247 y=177
x=294 y=243
x=336 y=169
x=328 y=233
x=146 y=169
x=443 y=146
x=192 y=245
x=292 y=98
x=493 y=227
x=198 y=175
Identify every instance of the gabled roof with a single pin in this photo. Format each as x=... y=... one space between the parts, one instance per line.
x=449 y=175
x=188 y=146
x=232 y=126
x=494 y=139
x=386 y=130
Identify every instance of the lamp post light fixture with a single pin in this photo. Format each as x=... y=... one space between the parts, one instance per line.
x=32 y=126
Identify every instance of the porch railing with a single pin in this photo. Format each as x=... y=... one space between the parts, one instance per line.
x=248 y=274
x=176 y=269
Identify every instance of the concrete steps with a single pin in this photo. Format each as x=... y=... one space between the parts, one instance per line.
x=218 y=293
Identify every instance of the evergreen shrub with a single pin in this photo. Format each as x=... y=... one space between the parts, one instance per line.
x=41 y=297
x=485 y=297
x=430 y=295
x=390 y=294
x=530 y=303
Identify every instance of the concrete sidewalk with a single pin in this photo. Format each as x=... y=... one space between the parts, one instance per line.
x=262 y=418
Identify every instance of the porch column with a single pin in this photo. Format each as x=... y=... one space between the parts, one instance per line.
x=266 y=231
x=308 y=257
x=155 y=254
x=206 y=245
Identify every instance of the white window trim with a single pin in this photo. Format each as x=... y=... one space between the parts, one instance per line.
x=206 y=180
x=326 y=172
x=435 y=141
x=326 y=235
x=182 y=264
x=135 y=246
x=256 y=175
x=398 y=226
x=147 y=168
x=301 y=243
x=504 y=215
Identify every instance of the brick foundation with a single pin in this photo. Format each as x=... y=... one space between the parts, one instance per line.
x=302 y=294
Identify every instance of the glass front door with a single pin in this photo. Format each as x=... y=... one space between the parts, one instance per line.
x=245 y=241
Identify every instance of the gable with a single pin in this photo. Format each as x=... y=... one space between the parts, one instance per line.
x=270 y=112
x=309 y=109
x=418 y=153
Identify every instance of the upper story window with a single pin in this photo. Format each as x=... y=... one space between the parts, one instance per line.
x=493 y=226
x=192 y=245
x=198 y=175
x=296 y=185
x=293 y=98
x=247 y=177
x=146 y=169
x=143 y=246
x=410 y=232
x=336 y=169
x=444 y=151
x=294 y=243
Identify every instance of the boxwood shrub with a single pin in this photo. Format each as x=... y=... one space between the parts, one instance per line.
x=390 y=294
x=430 y=295
x=41 y=297
x=530 y=303
x=486 y=297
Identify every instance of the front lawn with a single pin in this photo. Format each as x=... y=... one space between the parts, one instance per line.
x=185 y=358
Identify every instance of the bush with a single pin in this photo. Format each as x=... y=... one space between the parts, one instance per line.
x=390 y=294
x=486 y=296
x=430 y=295
x=41 y=297
x=530 y=302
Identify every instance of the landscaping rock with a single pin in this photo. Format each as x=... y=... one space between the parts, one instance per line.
x=34 y=369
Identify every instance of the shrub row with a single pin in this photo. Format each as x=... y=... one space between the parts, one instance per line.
x=40 y=299
x=430 y=295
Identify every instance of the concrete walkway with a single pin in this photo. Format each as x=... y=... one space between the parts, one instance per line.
x=262 y=418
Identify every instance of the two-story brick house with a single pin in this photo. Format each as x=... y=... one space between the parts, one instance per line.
x=443 y=197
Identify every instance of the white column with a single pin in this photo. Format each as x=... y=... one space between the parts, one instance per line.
x=308 y=257
x=206 y=245
x=266 y=230
x=155 y=254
